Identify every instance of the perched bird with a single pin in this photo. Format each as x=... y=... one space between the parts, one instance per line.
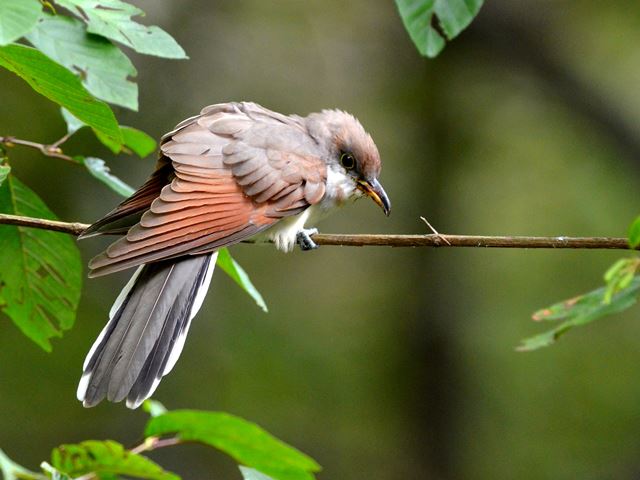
x=237 y=171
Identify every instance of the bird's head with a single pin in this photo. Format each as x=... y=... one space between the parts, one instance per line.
x=353 y=161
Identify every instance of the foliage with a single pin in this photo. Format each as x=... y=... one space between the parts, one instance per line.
x=17 y=18
x=621 y=291
x=153 y=407
x=112 y=19
x=244 y=441
x=237 y=273
x=40 y=270
x=105 y=68
x=133 y=140
x=634 y=233
x=98 y=168
x=252 y=474
x=75 y=63
x=105 y=458
x=431 y=22
x=10 y=470
x=4 y=172
x=259 y=453
x=61 y=86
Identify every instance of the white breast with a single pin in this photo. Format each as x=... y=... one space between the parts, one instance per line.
x=340 y=190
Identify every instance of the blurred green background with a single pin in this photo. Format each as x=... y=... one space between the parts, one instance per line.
x=382 y=363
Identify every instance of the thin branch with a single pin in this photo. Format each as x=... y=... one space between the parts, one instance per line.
x=368 y=240
x=42 y=223
x=60 y=141
x=153 y=443
x=52 y=150
x=444 y=240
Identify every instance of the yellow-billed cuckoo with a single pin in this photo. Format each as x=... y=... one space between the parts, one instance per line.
x=237 y=171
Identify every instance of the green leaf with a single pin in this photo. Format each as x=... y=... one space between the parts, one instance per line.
x=138 y=141
x=246 y=442
x=634 y=234
x=238 y=274
x=154 y=407
x=106 y=458
x=73 y=124
x=12 y=471
x=40 y=270
x=619 y=276
x=103 y=68
x=614 y=269
x=98 y=168
x=61 y=86
x=579 y=311
x=431 y=22
x=4 y=172
x=251 y=474
x=17 y=18
x=141 y=143
x=112 y=19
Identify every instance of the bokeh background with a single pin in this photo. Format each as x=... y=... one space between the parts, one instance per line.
x=382 y=363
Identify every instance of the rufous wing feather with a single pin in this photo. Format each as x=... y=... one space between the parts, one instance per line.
x=235 y=170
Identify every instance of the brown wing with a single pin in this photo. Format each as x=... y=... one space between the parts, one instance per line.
x=237 y=169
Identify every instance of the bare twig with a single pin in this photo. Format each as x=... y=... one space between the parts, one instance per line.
x=442 y=240
x=52 y=150
x=42 y=223
x=369 y=240
x=153 y=443
x=60 y=141
x=434 y=230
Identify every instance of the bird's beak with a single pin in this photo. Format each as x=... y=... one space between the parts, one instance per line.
x=374 y=190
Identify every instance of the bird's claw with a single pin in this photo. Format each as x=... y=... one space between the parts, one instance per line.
x=303 y=238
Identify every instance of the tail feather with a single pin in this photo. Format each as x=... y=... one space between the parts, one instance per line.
x=171 y=341
x=146 y=331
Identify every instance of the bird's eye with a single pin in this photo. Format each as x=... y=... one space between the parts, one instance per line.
x=347 y=160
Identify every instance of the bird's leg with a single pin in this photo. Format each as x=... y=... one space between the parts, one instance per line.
x=303 y=238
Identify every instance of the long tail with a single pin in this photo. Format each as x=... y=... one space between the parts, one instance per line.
x=147 y=327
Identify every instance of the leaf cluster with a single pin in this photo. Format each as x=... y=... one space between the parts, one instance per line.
x=621 y=291
x=70 y=51
x=260 y=455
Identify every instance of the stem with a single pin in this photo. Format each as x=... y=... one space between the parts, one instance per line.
x=371 y=240
x=60 y=141
x=42 y=223
x=52 y=150
x=153 y=443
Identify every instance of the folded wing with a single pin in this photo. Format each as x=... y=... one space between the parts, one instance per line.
x=235 y=170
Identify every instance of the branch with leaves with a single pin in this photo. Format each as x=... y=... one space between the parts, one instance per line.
x=69 y=52
x=260 y=455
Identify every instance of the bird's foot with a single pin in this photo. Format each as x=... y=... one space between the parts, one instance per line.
x=303 y=238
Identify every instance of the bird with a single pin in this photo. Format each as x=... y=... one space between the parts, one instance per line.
x=236 y=171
